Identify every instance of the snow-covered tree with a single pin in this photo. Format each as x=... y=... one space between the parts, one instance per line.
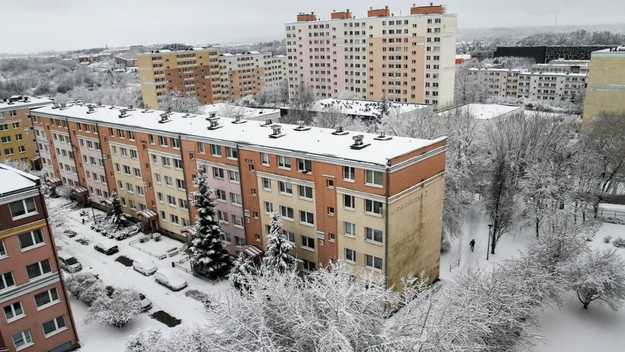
x=247 y=100
x=384 y=109
x=558 y=246
x=184 y=340
x=598 y=276
x=300 y=103
x=209 y=257
x=177 y=102
x=277 y=256
x=122 y=307
x=116 y=208
x=242 y=269
x=86 y=287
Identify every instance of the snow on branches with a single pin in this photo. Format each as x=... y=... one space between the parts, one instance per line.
x=277 y=256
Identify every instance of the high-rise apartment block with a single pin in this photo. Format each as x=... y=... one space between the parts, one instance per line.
x=606 y=83
x=374 y=200
x=205 y=73
x=407 y=58
x=36 y=314
x=16 y=137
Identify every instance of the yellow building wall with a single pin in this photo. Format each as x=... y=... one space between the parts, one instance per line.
x=605 y=90
x=146 y=78
x=415 y=225
x=293 y=201
x=123 y=178
x=19 y=137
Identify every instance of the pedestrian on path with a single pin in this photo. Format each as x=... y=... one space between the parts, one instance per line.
x=472 y=244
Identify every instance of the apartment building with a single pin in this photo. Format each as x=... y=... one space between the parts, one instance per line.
x=407 y=58
x=606 y=83
x=15 y=133
x=36 y=312
x=372 y=199
x=563 y=66
x=210 y=76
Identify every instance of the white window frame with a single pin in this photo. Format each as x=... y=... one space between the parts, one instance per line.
x=234 y=176
x=284 y=162
x=372 y=258
x=284 y=212
x=232 y=153
x=264 y=159
x=33 y=239
x=302 y=195
x=305 y=217
x=284 y=188
x=13 y=312
x=349 y=174
x=349 y=229
x=25 y=206
x=26 y=336
x=268 y=206
x=52 y=301
x=306 y=241
x=370 y=207
x=370 y=235
x=268 y=181
x=370 y=178
x=350 y=258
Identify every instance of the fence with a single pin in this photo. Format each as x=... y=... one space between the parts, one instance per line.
x=169 y=253
x=454 y=264
x=180 y=264
x=611 y=214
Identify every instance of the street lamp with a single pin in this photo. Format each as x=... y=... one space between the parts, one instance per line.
x=490 y=226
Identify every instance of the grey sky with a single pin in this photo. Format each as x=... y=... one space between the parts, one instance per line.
x=40 y=25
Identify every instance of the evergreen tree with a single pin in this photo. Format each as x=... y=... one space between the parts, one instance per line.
x=277 y=257
x=384 y=109
x=209 y=258
x=242 y=269
x=117 y=208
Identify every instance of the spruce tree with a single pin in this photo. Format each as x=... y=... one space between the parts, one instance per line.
x=242 y=269
x=117 y=208
x=209 y=257
x=277 y=257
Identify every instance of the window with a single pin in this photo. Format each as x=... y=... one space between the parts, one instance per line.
x=304 y=166
x=226 y=237
x=308 y=265
x=268 y=207
x=223 y=216
x=6 y=280
x=137 y=172
x=130 y=187
x=216 y=150
x=166 y=161
x=174 y=219
x=23 y=208
x=126 y=169
x=284 y=162
x=373 y=177
x=22 y=339
x=13 y=311
x=163 y=216
x=306 y=217
x=133 y=154
x=3 y=250
x=239 y=241
x=6 y=139
x=285 y=187
x=373 y=207
x=349 y=173
x=140 y=191
x=350 y=229
x=184 y=204
x=348 y=202
x=163 y=141
x=157 y=177
x=159 y=196
x=53 y=325
x=373 y=235
x=180 y=184
x=38 y=269
x=350 y=255
x=178 y=163
x=151 y=137
x=286 y=212
x=175 y=143
x=171 y=200
x=330 y=184
x=47 y=297
x=305 y=192
x=218 y=172
x=264 y=159
x=234 y=176
x=308 y=242
x=373 y=262
x=131 y=135
x=169 y=181
x=30 y=239
x=236 y=199
x=237 y=220
x=331 y=211
x=154 y=159
x=266 y=183
x=120 y=133
x=124 y=152
x=232 y=153
x=220 y=195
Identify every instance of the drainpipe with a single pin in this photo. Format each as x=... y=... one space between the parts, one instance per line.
x=184 y=178
x=388 y=179
x=241 y=189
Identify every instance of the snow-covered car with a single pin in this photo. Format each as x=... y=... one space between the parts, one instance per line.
x=146 y=304
x=170 y=279
x=69 y=263
x=145 y=267
x=106 y=248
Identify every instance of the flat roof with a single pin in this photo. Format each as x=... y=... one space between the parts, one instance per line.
x=21 y=103
x=356 y=19
x=361 y=107
x=14 y=180
x=229 y=109
x=486 y=111
x=315 y=141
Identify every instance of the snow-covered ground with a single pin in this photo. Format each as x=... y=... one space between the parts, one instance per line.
x=96 y=337
x=571 y=328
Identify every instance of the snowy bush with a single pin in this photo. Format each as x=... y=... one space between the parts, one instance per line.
x=619 y=242
x=242 y=269
x=86 y=287
x=184 y=340
x=198 y=296
x=445 y=246
x=118 y=310
x=607 y=239
x=616 y=221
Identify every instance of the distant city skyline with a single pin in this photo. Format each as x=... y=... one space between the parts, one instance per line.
x=43 y=25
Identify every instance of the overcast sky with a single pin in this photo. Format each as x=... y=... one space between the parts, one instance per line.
x=41 y=25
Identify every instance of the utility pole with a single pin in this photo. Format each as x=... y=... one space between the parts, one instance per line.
x=490 y=226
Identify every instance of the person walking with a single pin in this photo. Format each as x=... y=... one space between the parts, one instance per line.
x=472 y=244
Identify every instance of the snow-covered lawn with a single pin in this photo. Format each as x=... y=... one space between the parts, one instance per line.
x=571 y=328
x=98 y=337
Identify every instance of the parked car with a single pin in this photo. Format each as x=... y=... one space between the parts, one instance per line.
x=106 y=248
x=145 y=267
x=146 y=304
x=71 y=233
x=69 y=263
x=170 y=279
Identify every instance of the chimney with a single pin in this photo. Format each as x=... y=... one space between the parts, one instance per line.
x=214 y=123
x=63 y=105
x=339 y=131
x=130 y=108
x=276 y=131
x=358 y=142
x=301 y=126
x=212 y=114
x=90 y=109
x=267 y=123
x=123 y=113
x=238 y=119
x=164 y=118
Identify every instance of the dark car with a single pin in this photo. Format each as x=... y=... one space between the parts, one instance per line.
x=108 y=249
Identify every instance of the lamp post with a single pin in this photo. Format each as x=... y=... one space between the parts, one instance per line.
x=490 y=226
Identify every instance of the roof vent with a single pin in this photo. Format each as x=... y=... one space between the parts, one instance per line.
x=383 y=137
x=123 y=113
x=339 y=131
x=214 y=123
x=238 y=120
x=211 y=115
x=146 y=111
x=112 y=107
x=301 y=126
x=276 y=131
x=358 y=142
x=130 y=108
x=169 y=110
x=100 y=103
x=164 y=118
x=56 y=105
x=90 y=109
x=267 y=123
x=63 y=106
x=187 y=115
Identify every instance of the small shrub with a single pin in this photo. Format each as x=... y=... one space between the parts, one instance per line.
x=614 y=221
x=619 y=242
x=445 y=246
x=86 y=287
x=607 y=239
x=199 y=296
x=122 y=306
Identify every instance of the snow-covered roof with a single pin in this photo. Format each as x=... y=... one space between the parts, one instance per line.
x=463 y=57
x=230 y=110
x=14 y=180
x=361 y=107
x=20 y=103
x=314 y=141
x=488 y=111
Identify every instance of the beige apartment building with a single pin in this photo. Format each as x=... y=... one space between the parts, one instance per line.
x=606 y=83
x=210 y=76
x=407 y=58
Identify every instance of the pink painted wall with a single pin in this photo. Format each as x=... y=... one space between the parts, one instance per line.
x=96 y=170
